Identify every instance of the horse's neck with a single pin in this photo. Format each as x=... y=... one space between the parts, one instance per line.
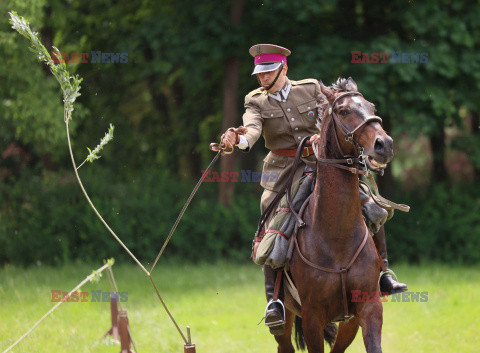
x=336 y=210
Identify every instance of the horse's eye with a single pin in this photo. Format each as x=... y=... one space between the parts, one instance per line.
x=343 y=112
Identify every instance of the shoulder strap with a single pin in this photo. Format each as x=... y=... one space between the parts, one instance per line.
x=254 y=92
x=302 y=82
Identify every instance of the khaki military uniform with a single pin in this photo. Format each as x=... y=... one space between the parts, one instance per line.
x=283 y=125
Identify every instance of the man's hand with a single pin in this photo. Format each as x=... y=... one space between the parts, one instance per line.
x=228 y=140
x=314 y=139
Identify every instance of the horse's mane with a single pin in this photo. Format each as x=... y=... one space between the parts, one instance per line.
x=340 y=85
x=325 y=125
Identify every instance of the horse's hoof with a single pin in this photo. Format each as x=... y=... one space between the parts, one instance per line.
x=277 y=330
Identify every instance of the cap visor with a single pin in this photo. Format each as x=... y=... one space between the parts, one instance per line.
x=265 y=68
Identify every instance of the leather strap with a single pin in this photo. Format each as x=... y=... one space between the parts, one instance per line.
x=365 y=201
x=300 y=222
x=332 y=163
x=259 y=236
x=276 y=77
x=381 y=201
x=343 y=275
x=382 y=264
x=276 y=232
x=291 y=245
x=307 y=151
x=278 y=281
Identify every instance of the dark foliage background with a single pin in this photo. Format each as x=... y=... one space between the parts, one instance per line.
x=171 y=99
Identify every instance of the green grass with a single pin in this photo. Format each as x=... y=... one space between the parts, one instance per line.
x=222 y=304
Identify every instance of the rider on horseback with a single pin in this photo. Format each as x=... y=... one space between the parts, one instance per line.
x=284 y=112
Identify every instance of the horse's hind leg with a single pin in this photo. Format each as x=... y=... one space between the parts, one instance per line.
x=371 y=320
x=285 y=341
x=345 y=335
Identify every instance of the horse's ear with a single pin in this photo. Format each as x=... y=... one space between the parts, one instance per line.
x=351 y=85
x=327 y=92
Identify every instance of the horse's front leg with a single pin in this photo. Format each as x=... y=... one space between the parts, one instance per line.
x=370 y=316
x=345 y=336
x=285 y=341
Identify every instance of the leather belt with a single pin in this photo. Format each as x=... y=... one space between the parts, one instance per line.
x=307 y=151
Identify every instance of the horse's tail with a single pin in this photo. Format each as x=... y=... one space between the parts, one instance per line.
x=299 y=340
x=329 y=333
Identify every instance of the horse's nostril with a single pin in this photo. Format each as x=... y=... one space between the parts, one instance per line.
x=379 y=145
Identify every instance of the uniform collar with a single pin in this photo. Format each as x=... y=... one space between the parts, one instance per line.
x=282 y=94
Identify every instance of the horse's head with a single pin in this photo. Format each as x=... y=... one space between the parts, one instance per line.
x=356 y=126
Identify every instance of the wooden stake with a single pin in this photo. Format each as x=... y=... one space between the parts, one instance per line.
x=114 y=316
x=125 y=341
x=189 y=347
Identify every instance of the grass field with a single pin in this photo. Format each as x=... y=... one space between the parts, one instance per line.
x=222 y=304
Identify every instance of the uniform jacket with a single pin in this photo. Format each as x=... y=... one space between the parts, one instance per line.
x=283 y=125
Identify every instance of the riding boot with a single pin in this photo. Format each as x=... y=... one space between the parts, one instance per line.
x=387 y=283
x=275 y=311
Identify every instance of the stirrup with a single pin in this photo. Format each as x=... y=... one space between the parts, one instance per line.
x=278 y=322
x=387 y=271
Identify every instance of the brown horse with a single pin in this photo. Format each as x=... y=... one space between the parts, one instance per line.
x=334 y=253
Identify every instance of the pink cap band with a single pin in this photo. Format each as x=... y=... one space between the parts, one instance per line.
x=268 y=58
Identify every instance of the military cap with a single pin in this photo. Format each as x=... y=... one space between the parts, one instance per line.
x=268 y=57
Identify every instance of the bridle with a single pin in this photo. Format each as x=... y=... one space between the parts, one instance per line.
x=355 y=164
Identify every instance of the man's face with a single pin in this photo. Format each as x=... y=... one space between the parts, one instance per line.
x=266 y=79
